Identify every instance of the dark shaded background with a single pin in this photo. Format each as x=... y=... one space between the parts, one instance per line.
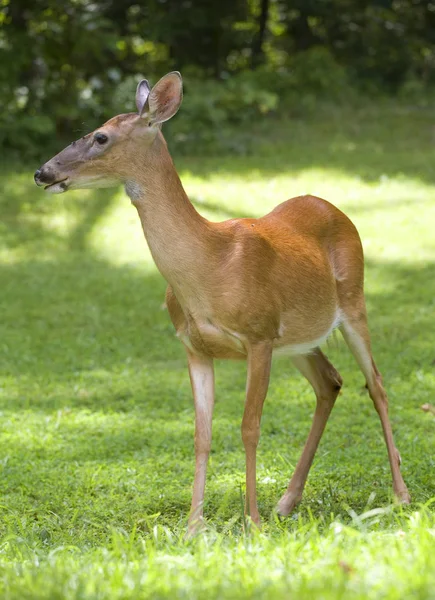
x=67 y=65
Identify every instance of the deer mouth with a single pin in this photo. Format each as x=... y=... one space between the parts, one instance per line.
x=57 y=187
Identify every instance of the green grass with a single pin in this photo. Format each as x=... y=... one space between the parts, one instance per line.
x=96 y=437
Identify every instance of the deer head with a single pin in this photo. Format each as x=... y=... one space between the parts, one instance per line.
x=108 y=155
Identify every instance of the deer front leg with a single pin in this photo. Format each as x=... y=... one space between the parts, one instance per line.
x=259 y=362
x=202 y=379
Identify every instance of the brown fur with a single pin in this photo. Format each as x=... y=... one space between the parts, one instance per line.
x=242 y=288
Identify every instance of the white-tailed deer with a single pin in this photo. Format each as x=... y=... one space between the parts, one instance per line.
x=240 y=289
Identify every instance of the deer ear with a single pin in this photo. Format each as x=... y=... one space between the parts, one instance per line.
x=165 y=97
x=142 y=93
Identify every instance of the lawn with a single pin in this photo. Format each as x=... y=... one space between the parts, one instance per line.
x=96 y=437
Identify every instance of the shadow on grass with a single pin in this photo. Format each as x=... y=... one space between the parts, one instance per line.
x=23 y=208
x=215 y=209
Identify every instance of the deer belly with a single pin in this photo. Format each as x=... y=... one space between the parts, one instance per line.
x=303 y=344
x=210 y=340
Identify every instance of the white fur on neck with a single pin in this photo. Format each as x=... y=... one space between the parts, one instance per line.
x=133 y=190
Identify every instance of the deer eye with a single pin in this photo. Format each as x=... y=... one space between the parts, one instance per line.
x=100 y=138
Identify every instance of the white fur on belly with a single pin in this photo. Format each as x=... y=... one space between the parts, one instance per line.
x=306 y=347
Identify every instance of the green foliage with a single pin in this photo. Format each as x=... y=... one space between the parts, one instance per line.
x=310 y=80
x=64 y=60
x=212 y=109
x=23 y=134
x=414 y=92
x=316 y=72
x=96 y=437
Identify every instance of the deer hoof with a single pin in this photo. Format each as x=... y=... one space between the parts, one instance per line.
x=287 y=503
x=194 y=528
x=403 y=496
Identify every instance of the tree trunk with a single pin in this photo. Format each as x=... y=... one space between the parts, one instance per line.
x=257 y=55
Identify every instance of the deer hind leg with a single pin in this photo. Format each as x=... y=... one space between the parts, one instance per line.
x=326 y=382
x=356 y=334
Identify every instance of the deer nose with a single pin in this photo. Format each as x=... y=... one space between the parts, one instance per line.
x=44 y=176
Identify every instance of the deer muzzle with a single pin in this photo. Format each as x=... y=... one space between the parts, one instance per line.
x=45 y=176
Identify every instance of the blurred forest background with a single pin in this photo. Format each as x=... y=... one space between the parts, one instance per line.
x=67 y=65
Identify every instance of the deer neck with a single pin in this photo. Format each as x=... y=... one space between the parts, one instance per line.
x=176 y=233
